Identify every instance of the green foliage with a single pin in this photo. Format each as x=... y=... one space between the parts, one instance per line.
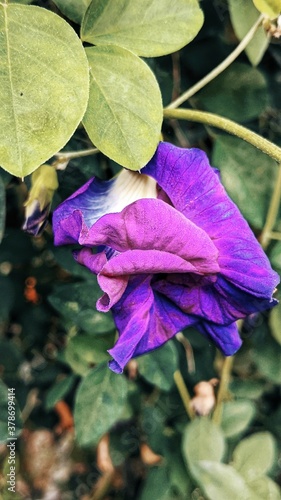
x=236 y=417
x=154 y=30
x=248 y=459
x=203 y=440
x=59 y=391
x=100 y=400
x=247 y=175
x=239 y=93
x=73 y=9
x=270 y=8
x=243 y=16
x=43 y=106
x=159 y=366
x=116 y=120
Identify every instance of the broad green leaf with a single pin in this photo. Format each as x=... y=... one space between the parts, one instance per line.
x=100 y=400
x=270 y=8
x=275 y=323
x=5 y=434
x=247 y=175
x=265 y=488
x=158 y=367
x=243 y=16
x=220 y=482
x=43 y=86
x=2 y=208
x=267 y=358
x=236 y=417
x=202 y=440
x=157 y=484
x=239 y=93
x=247 y=389
x=58 y=391
x=124 y=114
x=73 y=9
x=150 y=28
x=77 y=301
x=255 y=455
x=84 y=351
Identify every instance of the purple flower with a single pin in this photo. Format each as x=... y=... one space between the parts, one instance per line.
x=170 y=255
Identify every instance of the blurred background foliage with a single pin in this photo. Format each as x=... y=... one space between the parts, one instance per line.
x=133 y=437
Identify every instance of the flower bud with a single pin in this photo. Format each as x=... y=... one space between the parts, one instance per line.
x=44 y=182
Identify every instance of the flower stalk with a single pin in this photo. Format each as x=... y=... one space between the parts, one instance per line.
x=227 y=125
x=184 y=394
x=220 y=68
x=223 y=388
x=267 y=233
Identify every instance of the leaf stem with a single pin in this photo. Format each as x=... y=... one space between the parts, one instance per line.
x=69 y=155
x=220 y=68
x=272 y=213
x=228 y=126
x=223 y=388
x=184 y=394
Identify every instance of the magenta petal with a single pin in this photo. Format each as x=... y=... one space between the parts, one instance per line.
x=203 y=200
x=145 y=321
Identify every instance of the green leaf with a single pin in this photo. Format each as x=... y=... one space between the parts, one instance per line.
x=275 y=323
x=247 y=175
x=4 y=431
x=275 y=256
x=2 y=209
x=243 y=16
x=265 y=488
x=202 y=440
x=150 y=28
x=220 y=482
x=236 y=417
x=267 y=358
x=270 y=8
x=58 y=391
x=157 y=485
x=43 y=83
x=77 y=301
x=255 y=455
x=239 y=93
x=84 y=351
x=73 y=9
x=124 y=114
x=158 y=367
x=100 y=400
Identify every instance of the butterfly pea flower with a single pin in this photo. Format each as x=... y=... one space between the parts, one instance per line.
x=44 y=182
x=172 y=250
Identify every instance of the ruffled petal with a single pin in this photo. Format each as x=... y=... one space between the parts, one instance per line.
x=203 y=200
x=145 y=321
x=97 y=198
x=226 y=338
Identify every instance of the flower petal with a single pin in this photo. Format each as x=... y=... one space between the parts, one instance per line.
x=226 y=338
x=145 y=321
x=203 y=200
x=97 y=198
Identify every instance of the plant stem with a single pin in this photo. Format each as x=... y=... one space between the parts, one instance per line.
x=184 y=394
x=274 y=235
x=69 y=155
x=223 y=388
x=272 y=213
x=228 y=126
x=220 y=68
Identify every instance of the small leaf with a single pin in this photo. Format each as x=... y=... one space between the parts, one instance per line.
x=239 y=93
x=243 y=16
x=124 y=113
x=248 y=176
x=100 y=401
x=58 y=391
x=156 y=485
x=267 y=358
x=73 y=9
x=236 y=417
x=220 y=481
x=77 y=301
x=43 y=85
x=255 y=455
x=203 y=440
x=150 y=28
x=158 y=367
x=275 y=323
x=84 y=351
x=270 y=8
